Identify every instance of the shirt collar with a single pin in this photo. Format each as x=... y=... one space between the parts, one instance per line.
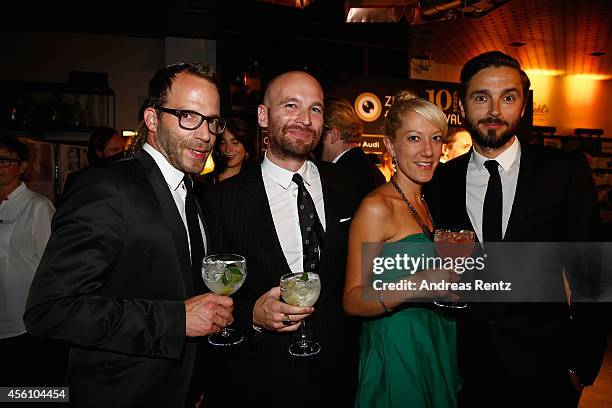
x=284 y=177
x=505 y=159
x=19 y=190
x=171 y=174
x=340 y=155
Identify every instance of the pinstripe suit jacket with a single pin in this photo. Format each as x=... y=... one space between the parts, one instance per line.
x=240 y=221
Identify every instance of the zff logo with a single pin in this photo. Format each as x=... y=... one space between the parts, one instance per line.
x=368 y=107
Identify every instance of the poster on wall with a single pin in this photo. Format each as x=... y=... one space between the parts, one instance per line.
x=40 y=174
x=71 y=159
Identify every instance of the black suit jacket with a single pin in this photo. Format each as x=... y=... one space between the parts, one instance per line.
x=113 y=281
x=71 y=176
x=240 y=221
x=529 y=342
x=364 y=173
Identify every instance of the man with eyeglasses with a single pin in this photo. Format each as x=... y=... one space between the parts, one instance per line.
x=25 y=226
x=121 y=276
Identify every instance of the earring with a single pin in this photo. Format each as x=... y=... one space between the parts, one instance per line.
x=394 y=164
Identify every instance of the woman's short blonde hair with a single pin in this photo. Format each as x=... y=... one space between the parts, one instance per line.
x=423 y=107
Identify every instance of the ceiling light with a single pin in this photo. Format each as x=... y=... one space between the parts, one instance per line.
x=371 y=15
x=543 y=72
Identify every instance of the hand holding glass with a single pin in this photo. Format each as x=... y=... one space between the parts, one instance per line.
x=224 y=274
x=453 y=244
x=301 y=289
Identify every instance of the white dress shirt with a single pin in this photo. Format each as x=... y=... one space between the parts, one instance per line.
x=174 y=180
x=25 y=227
x=477 y=179
x=282 y=198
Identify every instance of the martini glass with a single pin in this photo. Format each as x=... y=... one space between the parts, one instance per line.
x=453 y=244
x=224 y=274
x=301 y=289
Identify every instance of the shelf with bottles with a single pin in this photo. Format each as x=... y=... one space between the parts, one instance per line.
x=55 y=106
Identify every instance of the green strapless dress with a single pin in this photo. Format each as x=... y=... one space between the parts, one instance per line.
x=409 y=358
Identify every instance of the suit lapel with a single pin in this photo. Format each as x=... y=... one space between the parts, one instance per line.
x=170 y=215
x=331 y=214
x=206 y=233
x=258 y=213
x=520 y=204
x=457 y=188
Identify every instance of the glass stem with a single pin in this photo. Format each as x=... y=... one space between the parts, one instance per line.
x=225 y=332
x=303 y=332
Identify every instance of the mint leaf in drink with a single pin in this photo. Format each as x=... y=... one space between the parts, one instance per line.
x=304 y=277
x=231 y=274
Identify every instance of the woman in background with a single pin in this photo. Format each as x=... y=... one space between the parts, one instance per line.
x=407 y=349
x=235 y=148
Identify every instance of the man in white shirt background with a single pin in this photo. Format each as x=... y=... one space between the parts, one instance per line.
x=25 y=226
x=341 y=142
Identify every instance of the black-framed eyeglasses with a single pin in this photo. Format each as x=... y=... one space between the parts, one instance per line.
x=4 y=162
x=191 y=120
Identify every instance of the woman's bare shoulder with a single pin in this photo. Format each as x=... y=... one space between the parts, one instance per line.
x=377 y=204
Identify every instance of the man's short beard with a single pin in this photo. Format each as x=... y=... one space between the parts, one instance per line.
x=284 y=147
x=170 y=147
x=491 y=140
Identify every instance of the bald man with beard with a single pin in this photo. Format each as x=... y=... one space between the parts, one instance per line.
x=255 y=214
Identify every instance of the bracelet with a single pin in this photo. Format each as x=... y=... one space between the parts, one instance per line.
x=382 y=303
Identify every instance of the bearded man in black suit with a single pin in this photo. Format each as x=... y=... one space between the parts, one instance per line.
x=341 y=142
x=121 y=272
x=256 y=214
x=518 y=354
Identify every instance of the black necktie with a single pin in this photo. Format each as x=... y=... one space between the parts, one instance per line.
x=195 y=234
x=313 y=235
x=492 y=209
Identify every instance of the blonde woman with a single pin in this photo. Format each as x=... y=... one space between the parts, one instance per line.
x=407 y=349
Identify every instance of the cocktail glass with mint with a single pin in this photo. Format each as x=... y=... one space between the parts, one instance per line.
x=224 y=274
x=301 y=289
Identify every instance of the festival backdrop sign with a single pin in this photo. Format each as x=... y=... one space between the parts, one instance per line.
x=372 y=97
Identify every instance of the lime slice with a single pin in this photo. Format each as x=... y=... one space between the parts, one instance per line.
x=304 y=277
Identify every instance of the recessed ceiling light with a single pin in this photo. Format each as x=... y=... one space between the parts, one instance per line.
x=597 y=54
x=517 y=44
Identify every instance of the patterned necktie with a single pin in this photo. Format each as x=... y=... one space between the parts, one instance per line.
x=195 y=234
x=493 y=204
x=313 y=235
